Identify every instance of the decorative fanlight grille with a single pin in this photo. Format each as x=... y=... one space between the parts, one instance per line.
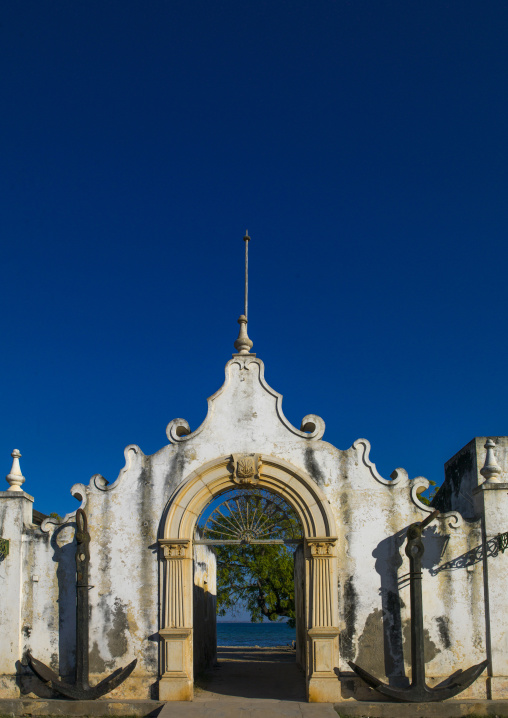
x=249 y=516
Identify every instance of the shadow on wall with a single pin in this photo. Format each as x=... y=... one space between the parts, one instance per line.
x=205 y=628
x=63 y=663
x=470 y=558
x=385 y=642
x=65 y=556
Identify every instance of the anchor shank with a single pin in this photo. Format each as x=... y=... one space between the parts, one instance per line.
x=415 y=551
x=417 y=652
x=82 y=562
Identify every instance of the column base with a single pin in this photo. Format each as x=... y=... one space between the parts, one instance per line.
x=324 y=690
x=176 y=683
x=175 y=689
x=323 y=684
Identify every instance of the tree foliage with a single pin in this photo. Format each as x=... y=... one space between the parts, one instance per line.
x=431 y=491
x=258 y=577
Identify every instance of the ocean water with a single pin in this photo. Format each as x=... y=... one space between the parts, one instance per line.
x=255 y=634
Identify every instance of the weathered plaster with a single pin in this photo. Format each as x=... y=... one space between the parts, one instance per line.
x=356 y=601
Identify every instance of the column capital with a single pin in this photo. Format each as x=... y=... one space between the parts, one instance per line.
x=321 y=546
x=175 y=548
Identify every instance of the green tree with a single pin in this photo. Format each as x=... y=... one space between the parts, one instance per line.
x=431 y=492
x=258 y=577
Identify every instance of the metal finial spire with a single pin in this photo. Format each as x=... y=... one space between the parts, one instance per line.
x=246 y=239
x=243 y=344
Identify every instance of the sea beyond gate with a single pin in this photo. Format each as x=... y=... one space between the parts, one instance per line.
x=255 y=634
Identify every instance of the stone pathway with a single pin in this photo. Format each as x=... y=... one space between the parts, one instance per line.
x=247 y=708
x=248 y=672
x=251 y=683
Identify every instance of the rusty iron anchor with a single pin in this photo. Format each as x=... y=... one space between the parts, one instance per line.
x=418 y=691
x=81 y=689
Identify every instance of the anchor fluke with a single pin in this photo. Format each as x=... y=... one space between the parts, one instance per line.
x=79 y=693
x=422 y=693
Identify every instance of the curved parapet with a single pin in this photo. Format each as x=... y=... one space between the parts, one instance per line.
x=245 y=377
x=399 y=478
x=177 y=430
x=133 y=456
x=79 y=493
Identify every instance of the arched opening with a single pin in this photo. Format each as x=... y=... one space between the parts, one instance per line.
x=318 y=599
x=248 y=544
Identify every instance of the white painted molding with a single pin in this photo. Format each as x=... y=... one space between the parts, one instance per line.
x=133 y=456
x=418 y=484
x=454 y=520
x=312 y=427
x=79 y=493
x=176 y=429
x=311 y=419
x=399 y=477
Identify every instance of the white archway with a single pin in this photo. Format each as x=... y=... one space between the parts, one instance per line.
x=321 y=595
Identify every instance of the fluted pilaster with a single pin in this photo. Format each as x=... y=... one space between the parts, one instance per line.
x=176 y=631
x=323 y=619
x=321 y=555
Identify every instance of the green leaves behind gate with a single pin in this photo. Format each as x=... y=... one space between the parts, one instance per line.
x=258 y=578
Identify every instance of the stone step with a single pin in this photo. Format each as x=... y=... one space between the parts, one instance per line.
x=243 y=708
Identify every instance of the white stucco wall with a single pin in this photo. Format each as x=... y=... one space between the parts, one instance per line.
x=125 y=519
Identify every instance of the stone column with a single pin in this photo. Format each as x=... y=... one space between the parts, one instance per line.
x=176 y=683
x=491 y=499
x=15 y=515
x=323 y=648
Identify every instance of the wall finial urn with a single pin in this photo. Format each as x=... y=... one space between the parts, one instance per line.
x=15 y=478
x=491 y=468
x=243 y=344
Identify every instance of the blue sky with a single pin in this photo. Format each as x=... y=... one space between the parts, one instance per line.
x=363 y=144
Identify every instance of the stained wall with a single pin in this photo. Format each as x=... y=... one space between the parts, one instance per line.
x=125 y=517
